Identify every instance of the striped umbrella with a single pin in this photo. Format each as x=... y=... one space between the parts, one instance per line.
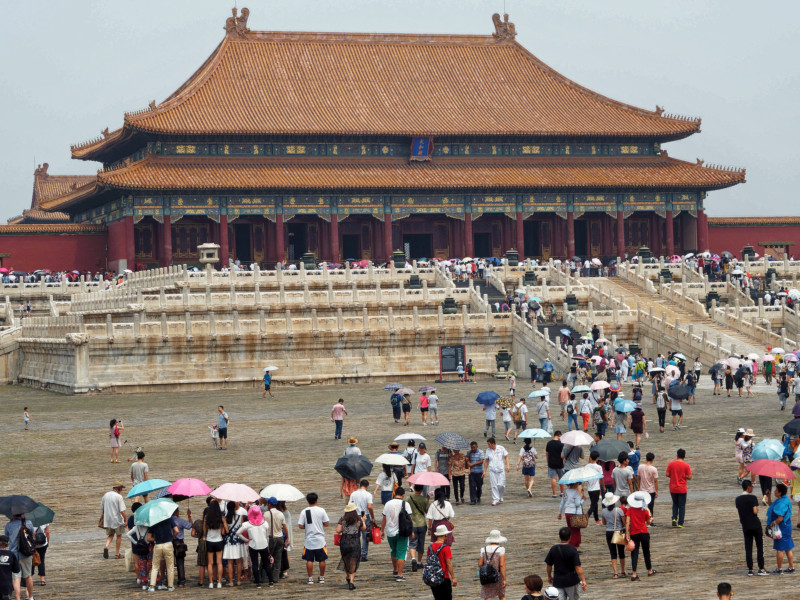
x=451 y=440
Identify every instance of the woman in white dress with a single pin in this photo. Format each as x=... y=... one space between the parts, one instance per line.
x=235 y=548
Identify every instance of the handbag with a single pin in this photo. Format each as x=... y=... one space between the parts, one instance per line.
x=337 y=539
x=37 y=560
x=376 y=535
x=580 y=521
x=618 y=538
x=774 y=531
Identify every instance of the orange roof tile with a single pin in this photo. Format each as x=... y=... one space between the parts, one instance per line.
x=47 y=188
x=744 y=221
x=386 y=84
x=32 y=229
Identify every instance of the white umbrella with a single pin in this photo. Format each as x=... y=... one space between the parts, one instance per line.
x=282 y=491
x=270 y=368
x=409 y=436
x=576 y=437
x=778 y=351
x=752 y=356
x=580 y=475
x=794 y=294
x=600 y=385
x=466 y=259
x=520 y=290
x=392 y=459
x=767 y=358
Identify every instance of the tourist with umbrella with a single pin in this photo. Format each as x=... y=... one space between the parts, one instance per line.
x=268 y=381
x=527 y=458
x=353 y=469
x=572 y=505
x=41 y=517
x=15 y=507
x=488 y=400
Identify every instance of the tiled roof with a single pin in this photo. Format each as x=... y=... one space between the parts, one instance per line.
x=47 y=188
x=386 y=84
x=182 y=173
x=745 y=221
x=43 y=228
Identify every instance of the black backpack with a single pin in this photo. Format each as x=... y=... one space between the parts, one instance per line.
x=40 y=538
x=404 y=524
x=25 y=541
x=487 y=572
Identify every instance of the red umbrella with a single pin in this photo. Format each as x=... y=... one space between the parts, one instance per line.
x=770 y=468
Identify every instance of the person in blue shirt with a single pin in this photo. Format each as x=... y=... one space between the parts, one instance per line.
x=547 y=370
x=475 y=461
x=223 y=427
x=267 y=384
x=179 y=544
x=25 y=562
x=634 y=458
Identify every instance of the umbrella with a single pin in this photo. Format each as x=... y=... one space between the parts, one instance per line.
x=795 y=463
x=3 y=270
x=189 y=487
x=579 y=357
x=405 y=391
x=624 y=406
x=770 y=468
x=427 y=388
x=236 y=492
x=428 y=478
x=578 y=389
x=539 y=393
x=679 y=356
x=270 y=368
x=615 y=386
x=767 y=448
x=41 y=515
x=409 y=436
x=575 y=258
x=17 y=505
x=576 y=437
x=752 y=356
x=487 y=398
x=794 y=294
x=282 y=491
x=796 y=409
x=566 y=331
x=534 y=433
x=610 y=449
x=726 y=253
x=353 y=467
x=154 y=512
x=147 y=487
x=679 y=391
x=600 y=385
x=586 y=337
x=613 y=261
x=393 y=387
x=732 y=362
x=767 y=358
x=792 y=427
x=466 y=259
x=535 y=299
x=656 y=370
x=602 y=340
x=597 y=359
x=596 y=261
x=451 y=440
x=790 y=358
x=673 y=371
x=579 y=475
x=505 y=402
x=778 y=351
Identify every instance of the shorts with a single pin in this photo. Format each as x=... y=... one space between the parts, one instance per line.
x=26 y=567
x=223 y=433
x=398 y=546
x=212 y=547
x=423 y=410
x=266 y=386
x=519 y=424
x=319 y=555
x=677 y=413
x=557 y=473
x=508 y=425
x=530 y=471
x=406 y=408
x=121 y=530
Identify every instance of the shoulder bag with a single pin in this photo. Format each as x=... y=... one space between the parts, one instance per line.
x=578 y=521
x=619 y=537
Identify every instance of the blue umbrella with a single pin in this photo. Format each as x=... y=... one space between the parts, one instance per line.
x=579 y=389
x=534 y=433
x=535 y=299
x=624 y=406
x=154 y=512
x=579 y=476
x=539 y=393
x=768 y=448
x=566 y=331
x=146 y=487
x=392 y=387
x=487 y=398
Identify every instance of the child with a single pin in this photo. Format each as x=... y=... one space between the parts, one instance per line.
x=214 y=435
x=533 y=587
x=27 y=418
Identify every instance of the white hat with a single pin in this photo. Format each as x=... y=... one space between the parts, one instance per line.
x=610 y=499
x=639 y=499
x=495 y=537
x=441 y=530
x=740 y=430
x=551 y=593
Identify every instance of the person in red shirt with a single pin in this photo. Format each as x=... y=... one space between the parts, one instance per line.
x=637 y=518
x=443 y=591
x=679 y=472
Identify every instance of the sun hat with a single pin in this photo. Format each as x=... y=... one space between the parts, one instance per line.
x=441 y=530
x=495 y=537
x=352 y=440
x=740 y=430
x=610 y=499
x=394 y=445
x=749 y=433
x=255 y=516
x=551 y=593
x=350 y=507
x=639 y=499
x=117 y=484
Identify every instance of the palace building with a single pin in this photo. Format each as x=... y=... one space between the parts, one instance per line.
x=352 y=145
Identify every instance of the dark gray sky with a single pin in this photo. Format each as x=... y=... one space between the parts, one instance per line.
x=71 y=68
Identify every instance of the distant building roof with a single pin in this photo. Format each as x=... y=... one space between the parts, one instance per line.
x=47 y=188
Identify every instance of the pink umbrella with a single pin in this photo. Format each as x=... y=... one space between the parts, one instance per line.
x=767 y=358
x=428 y=478
x=770 y=468
x=600 y=385
x=601 y=340
x=673 y=371
x=790 y=358
x=236 y=492
x=189 y=487
x=576 y=437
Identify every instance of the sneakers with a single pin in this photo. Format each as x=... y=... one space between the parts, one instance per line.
x=680 y=525
x=219 y=585
x=750 y=573
x=321 y=580
x=777 y=572
x=211 y=586
x=170 y=589
x=507 y=439
x=495 y=503
x=413 y=565
x=789 y=571
x=310 y=581
x=105 y=550
x=530 y=494
x=144 y=588
x=762 y=572
x=674 y=522
x=399 y=578
x=161 y=587
x=484 y=435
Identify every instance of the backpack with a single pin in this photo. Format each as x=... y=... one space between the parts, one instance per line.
x=487 y=572
x=661 y=400
x=395 y=400
x=637 y=394
x=517 y=412
x=570 y=408
x=432 y=572
x=472 y=370
x=597 y=415
x=40 y=537
x=25 y=541
x=528 y=459
x=404 y=524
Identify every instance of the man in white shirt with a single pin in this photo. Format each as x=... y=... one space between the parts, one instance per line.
x=390 y=529
x=491 y=415
x=276 y=521
x=363 y=501
x=313 y=521
x=496 y=463
x=114 y=519
x=520 y=417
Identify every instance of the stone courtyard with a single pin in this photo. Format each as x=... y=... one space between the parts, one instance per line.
x=63 y=462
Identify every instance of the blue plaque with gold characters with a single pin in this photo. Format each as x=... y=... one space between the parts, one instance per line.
x=421 y=148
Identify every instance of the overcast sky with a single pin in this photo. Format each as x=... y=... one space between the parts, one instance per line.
x=71 y=68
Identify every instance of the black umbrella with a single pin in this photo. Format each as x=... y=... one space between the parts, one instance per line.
x=679 y=392
x=353 y=467
x=792 y=427
x=17 y=505
x=610 y=449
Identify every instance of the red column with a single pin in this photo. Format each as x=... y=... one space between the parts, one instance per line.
x=670 y=234
x=130 y=248
x=280 y=251
x=621 y=235
x=223 y=242
x=166 y=242
x=387 y=236
x=570 y=234
x=335 y=238
x=520 y=236
x=702 y=231
x=468 y=238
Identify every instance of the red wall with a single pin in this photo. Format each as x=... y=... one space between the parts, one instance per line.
x=117 y=245
x=734 y=238
x=57 y=252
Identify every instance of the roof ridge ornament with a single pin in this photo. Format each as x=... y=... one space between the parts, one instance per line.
x=237 y=25
x=41 y=170
x=503 y=30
